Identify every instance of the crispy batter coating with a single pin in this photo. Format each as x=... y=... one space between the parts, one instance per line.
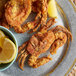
x=61 y=39
x=36 y=62
x=16 y=12
x=3 y=21
x=22 y=46
x=40 y=6
x=43 y=40
x=2 y=3
x=40 y=42
x=22 y=59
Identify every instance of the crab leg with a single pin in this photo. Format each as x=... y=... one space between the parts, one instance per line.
x=44 y=12
x=36 y=27
x=49 y=24
x=40 y=6
x=25 y=27
x=38 y=16
x=45 y=28
x=61 y=36
x=63 y=29
x=61 y=39
x=22 y=46
x=20 y=51
x=22 y=60
x=20 y=54
x=36 y=62
x=58 y=43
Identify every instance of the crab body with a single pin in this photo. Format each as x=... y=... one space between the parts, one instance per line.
x=40 y=42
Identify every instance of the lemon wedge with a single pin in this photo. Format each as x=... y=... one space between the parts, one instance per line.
x=2 y=36
x=7 y=51
x=52 y=10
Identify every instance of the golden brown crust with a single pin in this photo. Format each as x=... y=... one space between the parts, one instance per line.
x=40 y=6
x=60 y=39
x=3 y=21
x=41 y=41
x=2 y=4
x=22 y=59
x=17 y=11
x=36 y=62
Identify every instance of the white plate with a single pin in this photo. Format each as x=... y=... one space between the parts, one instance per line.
x=64 y=56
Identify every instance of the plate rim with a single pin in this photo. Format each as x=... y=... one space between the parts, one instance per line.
x=68 y=42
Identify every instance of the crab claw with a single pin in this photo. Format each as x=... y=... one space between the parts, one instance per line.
x=63 y=29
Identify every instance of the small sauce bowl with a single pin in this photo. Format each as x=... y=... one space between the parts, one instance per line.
x=13 y=38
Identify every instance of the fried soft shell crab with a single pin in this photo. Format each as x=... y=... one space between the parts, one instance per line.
x=17 y=11
x=40 y=42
